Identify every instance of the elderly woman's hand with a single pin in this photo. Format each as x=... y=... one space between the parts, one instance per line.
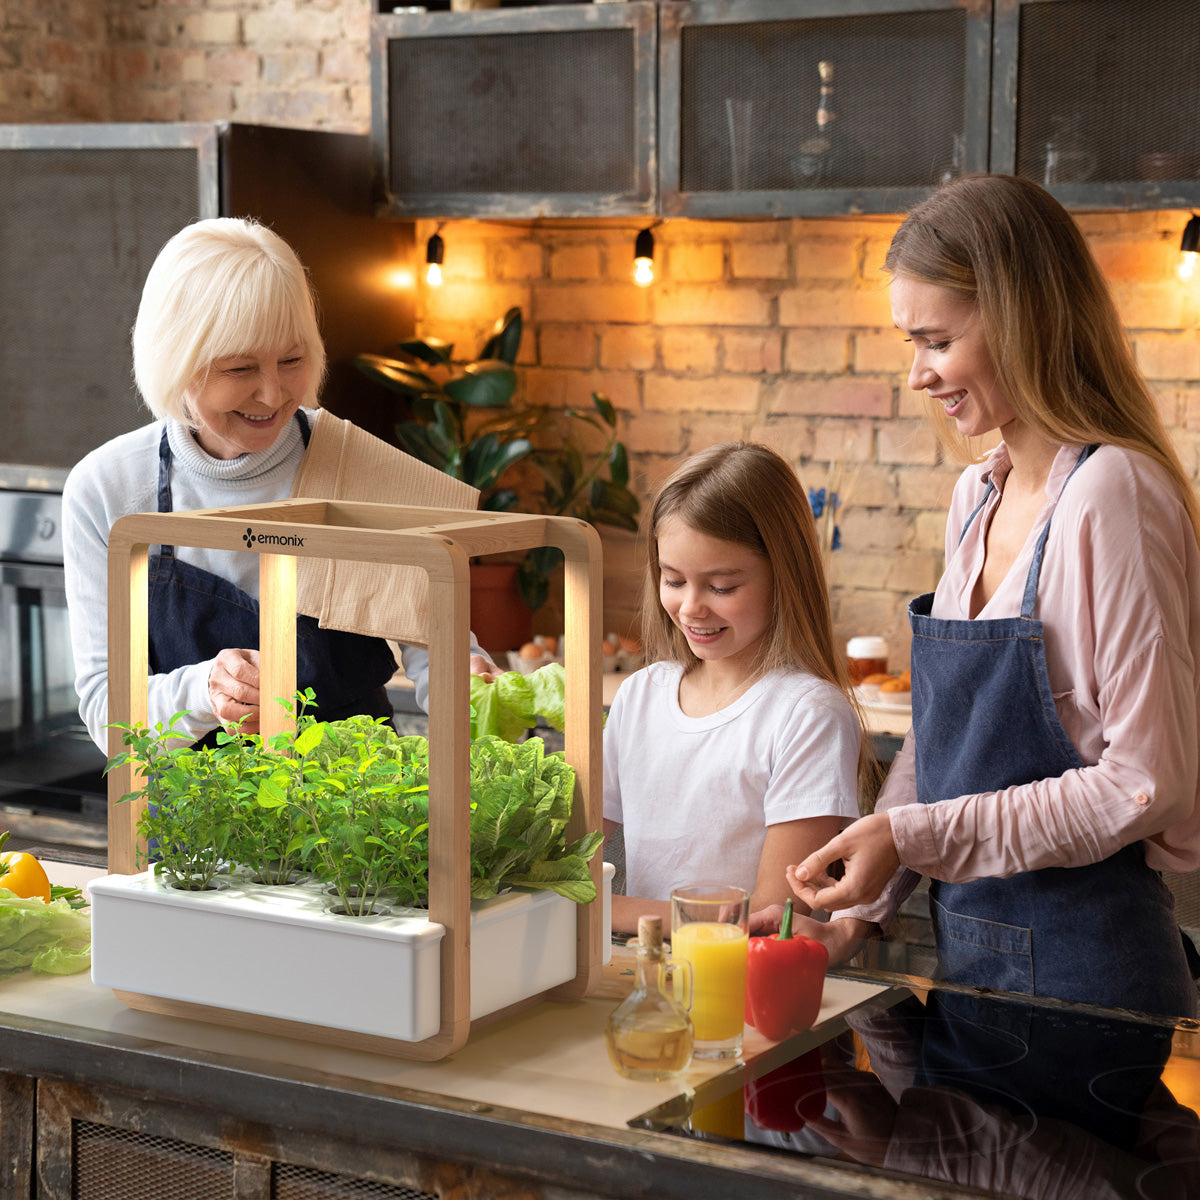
x=233 y=689
x=484 y=668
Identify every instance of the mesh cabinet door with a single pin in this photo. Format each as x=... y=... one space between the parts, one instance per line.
x=748 y=126
x=1097 y=99
x=86 y=210
x=516 y=113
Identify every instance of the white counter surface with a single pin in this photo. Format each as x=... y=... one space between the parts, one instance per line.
x=550 y=1059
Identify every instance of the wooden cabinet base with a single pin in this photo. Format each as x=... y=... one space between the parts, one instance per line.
x=99 y=1144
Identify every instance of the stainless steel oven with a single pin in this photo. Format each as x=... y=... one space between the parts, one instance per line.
x=51 y=772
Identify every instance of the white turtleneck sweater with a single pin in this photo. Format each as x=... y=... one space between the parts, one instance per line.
x=121 y=477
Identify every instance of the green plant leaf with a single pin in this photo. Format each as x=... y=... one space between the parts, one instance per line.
x=505 y=338
x=431 y=350
x=394 y=375
x=501 y=500
x=618 y=466
x=605 y=408
x=488 y=458
x=489 y=383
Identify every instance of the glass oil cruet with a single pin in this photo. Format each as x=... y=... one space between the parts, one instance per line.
x=649 y=1033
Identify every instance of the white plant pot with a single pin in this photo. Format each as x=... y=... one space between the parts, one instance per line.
x=278 y=952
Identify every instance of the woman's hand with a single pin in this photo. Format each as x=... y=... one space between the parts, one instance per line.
x=868 y=855
x=484 y=668
x=233 y=689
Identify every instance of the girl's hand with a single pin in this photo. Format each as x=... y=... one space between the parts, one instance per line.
x=766 y=920
x=867 y=852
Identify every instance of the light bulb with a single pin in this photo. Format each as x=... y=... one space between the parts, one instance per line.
x=435 y=252
x=1188 y=246
x=643 y=259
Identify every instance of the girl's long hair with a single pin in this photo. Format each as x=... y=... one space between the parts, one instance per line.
x=745 y=493
x=1056 y=339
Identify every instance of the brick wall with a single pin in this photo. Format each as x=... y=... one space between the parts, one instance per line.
x=775 y=330
x=778 y=331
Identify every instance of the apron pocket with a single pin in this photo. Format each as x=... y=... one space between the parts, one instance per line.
x=983 y=953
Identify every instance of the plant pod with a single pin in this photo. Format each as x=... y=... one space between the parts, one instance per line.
x=785 y=1099
x=785 y=977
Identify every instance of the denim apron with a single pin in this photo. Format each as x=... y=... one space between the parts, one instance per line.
x=195 y=614
x=984 y=719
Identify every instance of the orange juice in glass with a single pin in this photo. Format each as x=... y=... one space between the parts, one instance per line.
x=709 y=924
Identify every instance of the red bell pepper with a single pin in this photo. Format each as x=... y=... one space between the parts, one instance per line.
x=785 y=977
x=785 y=1099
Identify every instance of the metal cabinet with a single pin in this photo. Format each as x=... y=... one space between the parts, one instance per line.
x=709 y=108
x=740 y=88
x=1097 y=99
x=535 y=112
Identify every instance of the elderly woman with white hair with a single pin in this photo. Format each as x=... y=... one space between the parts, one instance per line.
x=228 y=357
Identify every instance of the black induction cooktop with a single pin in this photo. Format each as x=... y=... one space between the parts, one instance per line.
x=1008 y=1095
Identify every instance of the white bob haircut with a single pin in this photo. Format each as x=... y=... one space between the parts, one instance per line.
x=220 y=288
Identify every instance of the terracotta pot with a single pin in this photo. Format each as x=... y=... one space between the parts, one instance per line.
x=500 y=619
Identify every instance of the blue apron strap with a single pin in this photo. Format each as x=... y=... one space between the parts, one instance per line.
x=1035 y=567
x=164 y=485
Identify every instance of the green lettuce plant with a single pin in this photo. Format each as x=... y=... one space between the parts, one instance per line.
x=348 y=802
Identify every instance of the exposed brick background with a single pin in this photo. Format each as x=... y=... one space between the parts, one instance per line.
x=773 y=330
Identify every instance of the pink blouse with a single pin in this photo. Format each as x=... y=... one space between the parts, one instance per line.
x=1119 y=598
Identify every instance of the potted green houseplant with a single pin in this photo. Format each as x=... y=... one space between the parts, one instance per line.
x=463 y=421
x=460 y=419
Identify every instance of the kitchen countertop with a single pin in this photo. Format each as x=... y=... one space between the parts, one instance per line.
x=544 y=1071
x=536 y=1060
x=533 y=1094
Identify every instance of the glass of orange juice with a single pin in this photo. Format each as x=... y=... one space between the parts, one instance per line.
x=710 y=930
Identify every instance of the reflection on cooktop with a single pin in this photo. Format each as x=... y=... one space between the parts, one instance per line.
x=973 y=1089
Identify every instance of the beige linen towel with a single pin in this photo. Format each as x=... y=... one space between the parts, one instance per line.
x=343 y=462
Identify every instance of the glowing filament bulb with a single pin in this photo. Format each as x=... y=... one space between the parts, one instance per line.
x=435 y=252
x=643 y=259
x=1188 y=247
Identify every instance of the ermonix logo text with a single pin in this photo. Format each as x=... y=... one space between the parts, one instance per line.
x=270 y=539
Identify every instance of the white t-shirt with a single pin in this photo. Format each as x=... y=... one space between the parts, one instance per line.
x=695 y=794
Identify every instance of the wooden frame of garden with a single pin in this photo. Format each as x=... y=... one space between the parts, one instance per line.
x=441 y=543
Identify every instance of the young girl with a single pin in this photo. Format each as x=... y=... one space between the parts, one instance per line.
x=738 y=750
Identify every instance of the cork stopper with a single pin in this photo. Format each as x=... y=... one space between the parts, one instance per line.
x=650 y=934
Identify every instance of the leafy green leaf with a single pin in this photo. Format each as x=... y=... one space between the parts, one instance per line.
x=434 y=351
x=395 y=375
x=488 y=458
x=605 y=408
x=618 y=467
x=489 y=383
x=505 y=338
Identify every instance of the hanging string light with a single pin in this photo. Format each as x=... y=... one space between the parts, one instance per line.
x=435 y=253
x=643 y=259
x=1189 y=247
